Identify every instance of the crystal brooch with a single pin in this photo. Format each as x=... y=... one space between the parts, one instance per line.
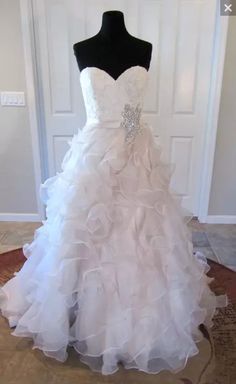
x=131 y=121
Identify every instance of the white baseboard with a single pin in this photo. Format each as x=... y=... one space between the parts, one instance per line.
x=221 y=219
x=35 y=217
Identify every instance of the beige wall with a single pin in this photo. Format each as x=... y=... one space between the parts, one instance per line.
x=17 y=187
x=223 y=188
x=17 y=191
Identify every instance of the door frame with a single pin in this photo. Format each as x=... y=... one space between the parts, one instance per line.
x=36 y=119
x=218 y=59
x=33 y=97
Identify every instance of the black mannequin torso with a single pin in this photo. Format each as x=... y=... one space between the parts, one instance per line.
x=113 y=49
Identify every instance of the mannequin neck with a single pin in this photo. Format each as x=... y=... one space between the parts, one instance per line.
x=113 y=26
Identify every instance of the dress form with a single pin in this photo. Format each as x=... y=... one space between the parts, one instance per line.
x=113 y=49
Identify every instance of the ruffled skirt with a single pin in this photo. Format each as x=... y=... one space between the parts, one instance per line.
x=111 y=271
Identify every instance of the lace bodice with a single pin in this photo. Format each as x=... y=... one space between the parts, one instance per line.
x=106 y=99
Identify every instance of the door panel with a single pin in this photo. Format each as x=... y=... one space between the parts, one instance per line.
x=182 y=34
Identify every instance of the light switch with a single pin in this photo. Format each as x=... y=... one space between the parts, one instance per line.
x=15 y=99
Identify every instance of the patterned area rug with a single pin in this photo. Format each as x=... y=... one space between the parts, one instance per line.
x=9 y=263
x=215 y=363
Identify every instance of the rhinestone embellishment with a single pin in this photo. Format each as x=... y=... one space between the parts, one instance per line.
x=131 y=121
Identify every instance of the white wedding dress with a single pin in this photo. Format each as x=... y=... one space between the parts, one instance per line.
x=111 y=271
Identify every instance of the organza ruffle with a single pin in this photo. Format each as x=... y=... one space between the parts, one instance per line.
x=112 y=272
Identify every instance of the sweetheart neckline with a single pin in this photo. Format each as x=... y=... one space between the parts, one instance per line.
x=108 y=75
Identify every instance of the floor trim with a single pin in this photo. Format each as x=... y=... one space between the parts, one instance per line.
x=30 y=217
x=221 y=219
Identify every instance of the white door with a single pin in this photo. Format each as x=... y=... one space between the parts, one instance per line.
x=182 y=34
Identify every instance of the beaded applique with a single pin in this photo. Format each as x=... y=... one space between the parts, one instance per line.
x=131 y=121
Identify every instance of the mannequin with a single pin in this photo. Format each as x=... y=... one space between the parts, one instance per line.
x=113 y=49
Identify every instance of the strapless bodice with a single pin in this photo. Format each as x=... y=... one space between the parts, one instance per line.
x=106 y=98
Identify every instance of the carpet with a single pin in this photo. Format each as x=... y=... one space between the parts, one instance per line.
x=9 y=263
x=214 y=364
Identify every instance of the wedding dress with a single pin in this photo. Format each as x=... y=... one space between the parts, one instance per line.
x=111 y=271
